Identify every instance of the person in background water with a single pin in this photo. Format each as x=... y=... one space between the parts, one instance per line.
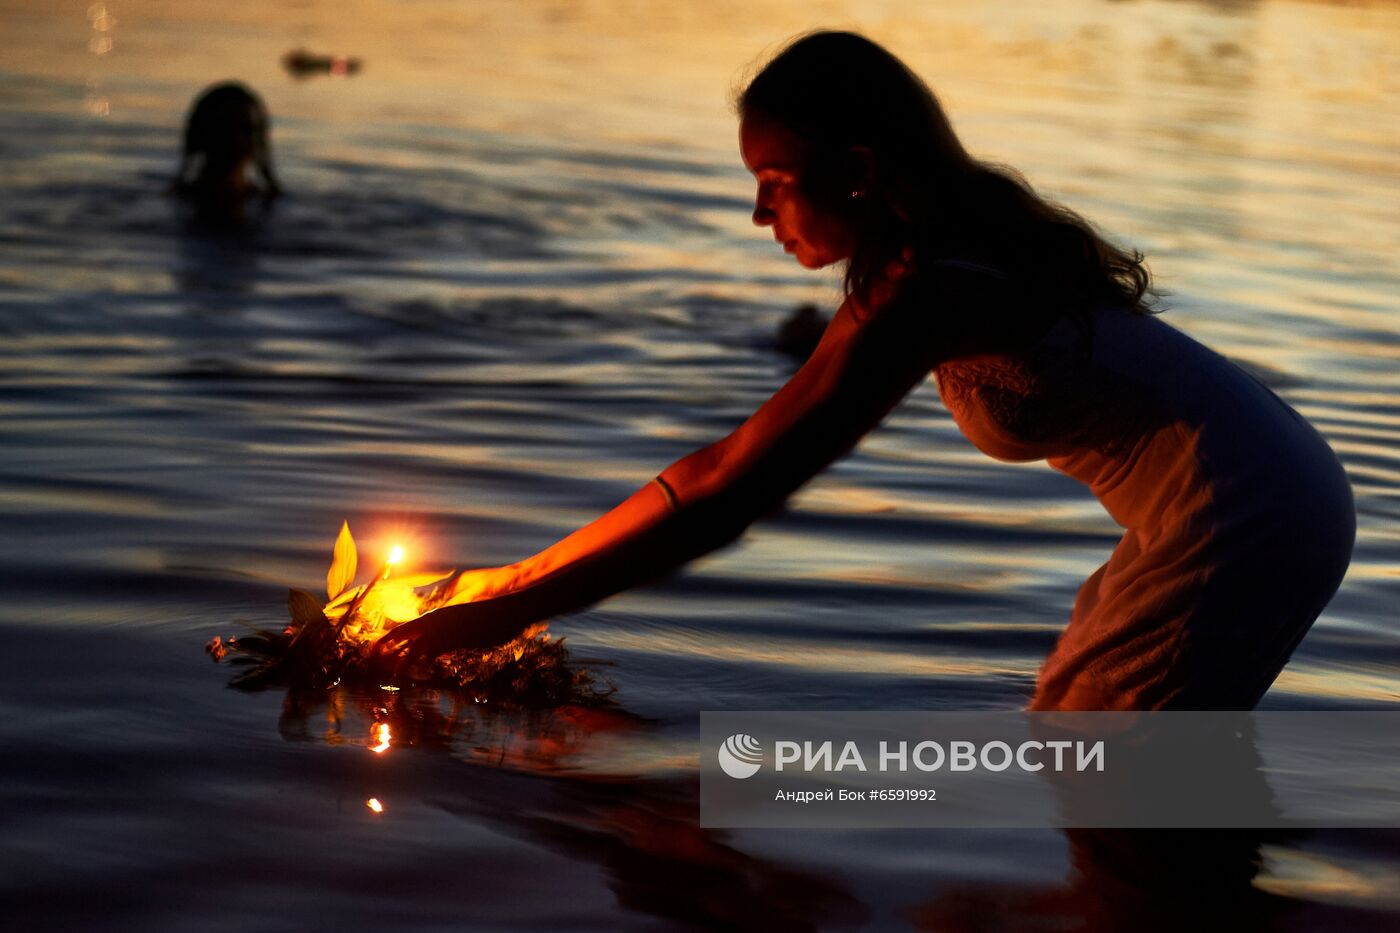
x=227 y=162
x=801 y=331
x=1238 y=518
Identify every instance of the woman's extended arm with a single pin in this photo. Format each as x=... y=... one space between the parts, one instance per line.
x=859 y=372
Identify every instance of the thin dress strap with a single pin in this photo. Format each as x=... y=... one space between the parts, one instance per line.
x=970 y=266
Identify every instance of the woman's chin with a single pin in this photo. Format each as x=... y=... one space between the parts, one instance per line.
x=807 y=258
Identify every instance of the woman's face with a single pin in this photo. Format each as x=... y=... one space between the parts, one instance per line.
x=803 y=219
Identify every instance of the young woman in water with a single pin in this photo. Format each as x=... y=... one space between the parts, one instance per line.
x=1238 y=518
x=227 y=161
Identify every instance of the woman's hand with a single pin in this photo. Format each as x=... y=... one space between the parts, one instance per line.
x=469 y=586
x=466 y=627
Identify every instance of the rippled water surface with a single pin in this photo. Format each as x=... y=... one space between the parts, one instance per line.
x=514 y=278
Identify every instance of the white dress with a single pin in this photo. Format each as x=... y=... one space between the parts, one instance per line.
x=1238 y=518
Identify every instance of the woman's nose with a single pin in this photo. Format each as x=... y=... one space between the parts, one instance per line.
x=763 y=215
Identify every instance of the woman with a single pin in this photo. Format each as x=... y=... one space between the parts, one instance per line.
x=227 y=161
x=1238 y=518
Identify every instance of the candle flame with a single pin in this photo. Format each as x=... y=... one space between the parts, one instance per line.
x=381 y=734
x=395 y=555
x=374 y=804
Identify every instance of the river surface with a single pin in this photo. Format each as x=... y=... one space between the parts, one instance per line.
x=514 y=277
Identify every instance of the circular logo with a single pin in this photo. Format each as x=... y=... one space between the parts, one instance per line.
x=740 y=756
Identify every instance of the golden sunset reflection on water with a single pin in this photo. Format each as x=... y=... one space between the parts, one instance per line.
x=514 y=276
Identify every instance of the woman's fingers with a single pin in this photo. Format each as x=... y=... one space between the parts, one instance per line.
x=465 y=627
x=396 y=651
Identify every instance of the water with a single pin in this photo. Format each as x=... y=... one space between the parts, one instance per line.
x=515 y=278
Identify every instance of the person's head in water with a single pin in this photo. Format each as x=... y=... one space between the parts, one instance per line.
x=227 y=159
x=857 y=162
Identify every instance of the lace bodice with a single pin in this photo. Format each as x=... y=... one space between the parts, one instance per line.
x=1050 y=400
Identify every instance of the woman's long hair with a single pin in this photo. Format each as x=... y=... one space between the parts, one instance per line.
x=872 y=124
x=227 y=131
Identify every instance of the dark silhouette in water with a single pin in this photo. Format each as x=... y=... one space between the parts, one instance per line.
x=1238 y=517
x=801 y=331
x=226 y=164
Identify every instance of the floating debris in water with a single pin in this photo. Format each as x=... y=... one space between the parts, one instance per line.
x=302 y=64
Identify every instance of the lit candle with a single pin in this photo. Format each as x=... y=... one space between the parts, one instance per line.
x=395 y=556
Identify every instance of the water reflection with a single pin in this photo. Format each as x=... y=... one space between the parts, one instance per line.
x=639 y=827
x=100 y=42
x=591 y=785
x=1144 y=881
x=436 y=234
x=217 y=271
